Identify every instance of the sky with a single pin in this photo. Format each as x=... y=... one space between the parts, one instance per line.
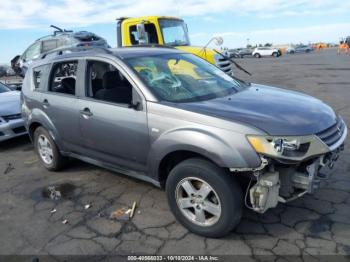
x=237 y=21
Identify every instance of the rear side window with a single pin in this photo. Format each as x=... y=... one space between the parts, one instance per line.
x=40 y=76
x=63 y=77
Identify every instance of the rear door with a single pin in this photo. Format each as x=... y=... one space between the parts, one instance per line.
x=60 y=103
x=113 y=129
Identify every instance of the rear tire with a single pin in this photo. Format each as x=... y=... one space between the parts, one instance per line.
x=215 y=206
x=257 y=55
x=275 y=54
x=47 y=150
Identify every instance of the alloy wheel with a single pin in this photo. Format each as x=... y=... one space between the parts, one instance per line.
x=45 y=149
x=198 y=201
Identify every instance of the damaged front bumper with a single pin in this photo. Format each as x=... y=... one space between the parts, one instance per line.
x=283 y=183
x=280 y=180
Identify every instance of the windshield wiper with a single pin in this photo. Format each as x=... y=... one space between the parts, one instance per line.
x=233 y=62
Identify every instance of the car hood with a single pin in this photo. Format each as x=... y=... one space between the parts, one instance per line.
x=273 y=110
x=10 y=103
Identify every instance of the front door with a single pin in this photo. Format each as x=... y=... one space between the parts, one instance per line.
x=112 y=130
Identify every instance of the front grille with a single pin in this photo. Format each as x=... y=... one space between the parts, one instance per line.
x=18 y=130
x=332 y=134
x=224 y=65
x=12 y=117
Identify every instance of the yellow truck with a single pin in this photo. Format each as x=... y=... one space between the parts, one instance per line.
x=168 y=31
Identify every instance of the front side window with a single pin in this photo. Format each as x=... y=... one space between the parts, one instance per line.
x=39 y=74
x=4 y=88
x=33 y=51
x=174 y=32
x=107 y=83
x=63 y=77
x=183 y=77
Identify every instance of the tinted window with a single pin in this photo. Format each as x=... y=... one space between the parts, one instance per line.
x=4 y=88
x=63 y=77
x=39 y=74
x=106 y=83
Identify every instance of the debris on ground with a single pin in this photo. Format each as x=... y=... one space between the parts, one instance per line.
x=87 y=206
x=9 y=168
x=133 y=209
x=54 y=210
x=53 y=193
x=64 y=222
x=123 y=214
x=59 y=192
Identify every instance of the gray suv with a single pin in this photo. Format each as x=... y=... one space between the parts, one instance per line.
x=213 y=142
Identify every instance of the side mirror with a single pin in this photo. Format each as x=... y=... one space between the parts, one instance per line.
x=135 y=105
x=218 y=40
x=142 y=34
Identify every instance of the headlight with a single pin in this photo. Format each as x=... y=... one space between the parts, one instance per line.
x=288 y=147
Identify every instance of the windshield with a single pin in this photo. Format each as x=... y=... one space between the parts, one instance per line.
x=182 y=77
x=4 y=88
x=174 y=32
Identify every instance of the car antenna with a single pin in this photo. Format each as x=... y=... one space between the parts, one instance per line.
x=233 y=62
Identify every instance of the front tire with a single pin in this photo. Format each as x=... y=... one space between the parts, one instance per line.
x=275 y=54
x=47 y=150
x=204 y=198
x=257 y=55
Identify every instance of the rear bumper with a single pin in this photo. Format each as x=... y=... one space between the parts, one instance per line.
x=12 y=129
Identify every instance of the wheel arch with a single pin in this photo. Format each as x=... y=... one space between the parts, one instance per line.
x=171 y=159
x=38 y=118
x=32 y=127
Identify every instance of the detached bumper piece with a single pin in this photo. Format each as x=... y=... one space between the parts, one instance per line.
x=284 y=184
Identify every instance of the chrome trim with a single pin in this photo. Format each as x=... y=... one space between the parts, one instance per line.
x=340 y=141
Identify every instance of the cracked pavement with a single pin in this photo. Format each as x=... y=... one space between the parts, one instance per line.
x=313 y=225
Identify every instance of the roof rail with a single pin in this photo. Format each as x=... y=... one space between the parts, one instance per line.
x=70 y=50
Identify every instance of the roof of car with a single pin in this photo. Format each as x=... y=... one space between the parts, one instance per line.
x=129 y=52
x=64 y=34
x=122 y=53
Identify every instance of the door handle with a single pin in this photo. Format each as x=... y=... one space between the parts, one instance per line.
x=86 y=112
x=45 y=103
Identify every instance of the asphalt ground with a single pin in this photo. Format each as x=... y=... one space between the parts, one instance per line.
x=314 y=227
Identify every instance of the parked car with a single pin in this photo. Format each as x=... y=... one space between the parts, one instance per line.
x=299 y=49
x=173 y=119
x=60 y=39
x=241 y=52
x=11 y=122
x=3 y=70
x=266 y=51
